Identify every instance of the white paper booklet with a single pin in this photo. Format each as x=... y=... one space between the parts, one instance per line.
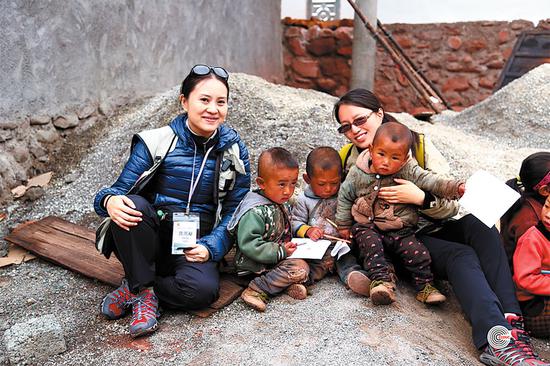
x=309 y=249
x=487 y=198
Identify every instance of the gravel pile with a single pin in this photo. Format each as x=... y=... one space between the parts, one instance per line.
x=332 y=326
x=517 y=115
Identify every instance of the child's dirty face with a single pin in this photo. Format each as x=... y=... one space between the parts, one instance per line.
x=545 y=214
x=388 y=157
x=278 y=183
x=324 y=183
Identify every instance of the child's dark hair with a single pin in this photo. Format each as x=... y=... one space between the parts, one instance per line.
x=360 y=98
x=278 y=157
x=192 y=79
x=323 y=158
x=533 y=169
x=396 y=132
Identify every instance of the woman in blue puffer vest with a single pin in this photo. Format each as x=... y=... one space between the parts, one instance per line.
x=172 y=235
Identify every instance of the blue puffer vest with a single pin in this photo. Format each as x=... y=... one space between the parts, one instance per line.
x=171 y=186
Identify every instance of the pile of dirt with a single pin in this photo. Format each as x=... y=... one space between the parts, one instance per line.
x=517 y=115
x=331 y=326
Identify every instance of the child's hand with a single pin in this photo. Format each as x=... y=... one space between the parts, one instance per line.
x=315 y=233
x=344 y=233
x=290 y=248
x=461 y=189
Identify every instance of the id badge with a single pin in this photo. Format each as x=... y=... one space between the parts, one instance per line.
x=185 y=231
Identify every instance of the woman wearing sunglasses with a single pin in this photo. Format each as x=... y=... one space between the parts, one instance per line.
x=171 y=236
x=465 y=251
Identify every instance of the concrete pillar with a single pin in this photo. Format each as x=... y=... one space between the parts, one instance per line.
x=364 y=47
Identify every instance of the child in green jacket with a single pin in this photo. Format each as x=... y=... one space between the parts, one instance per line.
x=263 y=229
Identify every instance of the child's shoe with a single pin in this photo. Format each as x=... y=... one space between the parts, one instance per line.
x=382 y=293
x=297 y=291
x=359 y=283
x=144 y=313
x=430 y=295
x=256 y=300
x=117 y=303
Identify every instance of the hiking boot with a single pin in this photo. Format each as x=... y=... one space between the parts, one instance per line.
x=256 y=300
x=144 y=313
x=516 y=353
x=359 y=283
x=297 y=291
x=382 y=293
x=117 y=303
x=429 y=295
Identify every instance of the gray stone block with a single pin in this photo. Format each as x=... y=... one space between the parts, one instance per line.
x=34 y=341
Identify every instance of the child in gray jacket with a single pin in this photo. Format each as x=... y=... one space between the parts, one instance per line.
x=314 y=212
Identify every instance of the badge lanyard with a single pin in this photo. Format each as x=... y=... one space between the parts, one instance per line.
x=193 y=182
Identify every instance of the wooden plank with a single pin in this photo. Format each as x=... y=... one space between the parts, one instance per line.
x=67 y=248
x=70 y=228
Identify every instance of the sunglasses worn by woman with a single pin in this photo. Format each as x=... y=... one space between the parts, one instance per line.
x=201 y=69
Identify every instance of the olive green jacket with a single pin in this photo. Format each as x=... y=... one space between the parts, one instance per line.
x=262 y=227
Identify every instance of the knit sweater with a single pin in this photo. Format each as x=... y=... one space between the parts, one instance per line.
x=532 y=256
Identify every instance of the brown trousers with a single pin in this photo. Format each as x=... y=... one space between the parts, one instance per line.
x=284 y=274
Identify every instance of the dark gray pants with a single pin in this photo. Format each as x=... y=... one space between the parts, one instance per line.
x=145 y=254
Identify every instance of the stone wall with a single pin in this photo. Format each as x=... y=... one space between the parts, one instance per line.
x=463 y=60
x=66 y=65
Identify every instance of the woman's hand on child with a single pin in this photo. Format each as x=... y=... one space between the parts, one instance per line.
x=461 y=189
x=122 y=211
x=344 y=233
x=405 y=192
x=290 y=248
x=198 y=253
x=315 y=233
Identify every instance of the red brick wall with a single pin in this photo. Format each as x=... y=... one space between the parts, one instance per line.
x=463 y=60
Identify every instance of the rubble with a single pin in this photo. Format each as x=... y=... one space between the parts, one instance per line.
x=34 y=341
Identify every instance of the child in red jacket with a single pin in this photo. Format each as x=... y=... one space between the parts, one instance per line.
x=532 y=274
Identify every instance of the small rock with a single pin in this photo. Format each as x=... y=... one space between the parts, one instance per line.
x=47 y=136
x=71 y=177
x=31 y=301
x=86 y=111
x=6 y=135
x=9 y=125
x=32 y=194
x=20 y=154
x=34 y=341
x=40 y=119
x=66 y=121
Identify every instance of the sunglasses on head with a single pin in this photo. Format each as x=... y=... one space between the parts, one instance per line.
x=201 y=70
x=359 y=121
